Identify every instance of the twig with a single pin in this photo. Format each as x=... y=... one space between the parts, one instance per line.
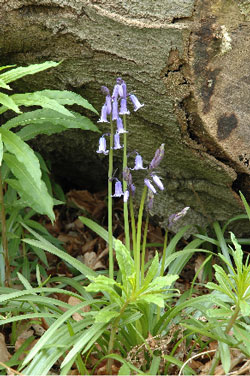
x=194 y=356
x=11 y=369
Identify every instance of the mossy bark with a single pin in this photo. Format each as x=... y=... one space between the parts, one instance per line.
x=187 y=61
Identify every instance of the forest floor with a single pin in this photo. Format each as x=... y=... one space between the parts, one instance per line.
x=83 y=244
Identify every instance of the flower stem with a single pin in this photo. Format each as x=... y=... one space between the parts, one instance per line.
x=164 y=253
x=162 y=266
x=138 y=239
x=125 y=204
x=144 y=248
x=4 y=236
x=112 y=336
x=110 y=229
x=132 y=216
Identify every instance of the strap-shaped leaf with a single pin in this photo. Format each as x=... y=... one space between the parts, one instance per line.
x=8 y=103
x=68 y=97
x=44 y=119
x=23 y=153
x=16 y=73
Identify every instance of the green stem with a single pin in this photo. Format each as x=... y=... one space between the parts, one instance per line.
x=216 y=358
x=162 y=266
x=110 y=229
x=138 y=239
x=112 y=336
x=132 y=216
x=125 y=204
x=4 y=236
x=144 y=248
x=164 y=253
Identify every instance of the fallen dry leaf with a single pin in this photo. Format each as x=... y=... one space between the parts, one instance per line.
x=74 y=301
x=91 y=260
x=4 y=353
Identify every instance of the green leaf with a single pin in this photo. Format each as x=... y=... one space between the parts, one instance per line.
x=104 y=284
x=154 y=368
x=84 y=342
x=245 y=308
x=24 y=154
x=99 y=230
x=44 y=244
x=8 y=102
x=106 y=316
x=37 y=99
x=15 y=74
x=124 y=370
x=4 y=85
x=247 y=207
x=173 y=360
x=154 y=267
x=1 y=150
x=125 y=262
x=52 y=331
x=34 y=196
x=152 y=298
x=224 y=350
x=162 y=282
x=46 y=121
x=68 y=97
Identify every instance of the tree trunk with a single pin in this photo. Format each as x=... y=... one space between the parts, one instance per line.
x=187 y=60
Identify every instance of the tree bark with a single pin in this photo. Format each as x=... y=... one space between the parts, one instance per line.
x=187 y=60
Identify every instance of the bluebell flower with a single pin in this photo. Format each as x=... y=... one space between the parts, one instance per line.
x=118 y=89
x=117 y=141
x=175 y=217
x=118 y=189
x=115 y=92
x=127 y=176
x=150 y=199
x=102 y=146
x=123 y=108
x=105 y=90
x=137 y=105
x=126 y=196
x=108 y=104
x=150 y=185
x=115 y=110
x=138 y=163
x=157 y=157
x=103 y=118
x=120 y=128
x=157 y=181
x=124 y=88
